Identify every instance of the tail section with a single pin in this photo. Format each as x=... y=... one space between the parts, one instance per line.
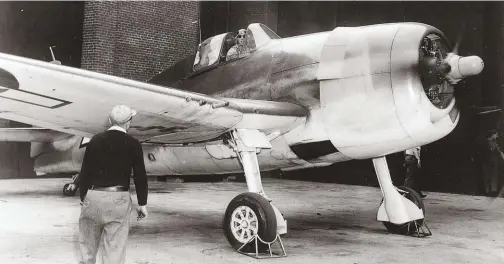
x=31 y=134
x=52 y=151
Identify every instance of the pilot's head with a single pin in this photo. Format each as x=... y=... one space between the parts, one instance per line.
x=241 y=38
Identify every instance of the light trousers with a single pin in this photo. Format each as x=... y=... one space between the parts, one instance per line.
x=104 y=216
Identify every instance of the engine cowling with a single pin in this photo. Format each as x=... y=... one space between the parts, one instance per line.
x=386 y=88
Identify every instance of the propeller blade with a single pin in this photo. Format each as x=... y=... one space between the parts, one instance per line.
x=460 y=37
x=482 y=110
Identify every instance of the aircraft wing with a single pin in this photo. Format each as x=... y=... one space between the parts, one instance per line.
x=78 y=102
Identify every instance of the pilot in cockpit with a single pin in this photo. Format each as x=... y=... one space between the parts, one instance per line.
x=240 y=49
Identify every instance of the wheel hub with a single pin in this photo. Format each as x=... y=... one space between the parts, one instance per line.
x=244 y=224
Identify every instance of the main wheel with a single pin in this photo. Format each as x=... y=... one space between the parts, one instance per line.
x=409 y=227
x=246 y=215
x=68 y=191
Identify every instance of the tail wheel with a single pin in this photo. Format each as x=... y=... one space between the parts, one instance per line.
x=68 y=191
x=249 y=214
x=409 y=227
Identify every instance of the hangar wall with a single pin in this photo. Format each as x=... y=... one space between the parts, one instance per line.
x=138 y=39
x=225 y=16
x=28 y=29
x=129 y=39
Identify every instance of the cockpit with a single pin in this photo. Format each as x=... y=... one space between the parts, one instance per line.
x=214 y=50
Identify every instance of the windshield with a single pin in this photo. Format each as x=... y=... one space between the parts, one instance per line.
x=208 y=52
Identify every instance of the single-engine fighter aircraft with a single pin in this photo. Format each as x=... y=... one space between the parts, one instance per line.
x=291 y=103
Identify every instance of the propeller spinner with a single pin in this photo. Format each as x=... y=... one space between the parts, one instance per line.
x=462 y=67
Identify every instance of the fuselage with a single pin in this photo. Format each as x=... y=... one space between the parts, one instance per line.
x=362 y=87
x=282 y=70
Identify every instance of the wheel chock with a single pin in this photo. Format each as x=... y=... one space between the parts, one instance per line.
x=266 y=255
x=419 y=230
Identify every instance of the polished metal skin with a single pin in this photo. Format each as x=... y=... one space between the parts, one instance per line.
x=355 y=92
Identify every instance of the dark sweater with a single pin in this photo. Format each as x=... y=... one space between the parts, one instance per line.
x=110 y=158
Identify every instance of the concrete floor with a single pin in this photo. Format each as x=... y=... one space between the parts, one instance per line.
x=328 y=223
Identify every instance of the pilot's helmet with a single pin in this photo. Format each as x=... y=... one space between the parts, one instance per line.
x=242 y=33
x=121 y=114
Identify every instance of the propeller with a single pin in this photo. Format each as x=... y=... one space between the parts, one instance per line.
x=441 y=68
x=483 y=110
x=438 y=62
x=460 y=37
x=461 y=66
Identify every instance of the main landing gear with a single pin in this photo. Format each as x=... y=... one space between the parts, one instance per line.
x=402 y=210
x=251 y=217
x=70 y=189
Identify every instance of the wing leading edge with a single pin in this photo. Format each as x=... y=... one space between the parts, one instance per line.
x=76 y=101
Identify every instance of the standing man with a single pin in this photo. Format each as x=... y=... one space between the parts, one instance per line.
x=110 y=158
x=412 y=164
x=490 y=157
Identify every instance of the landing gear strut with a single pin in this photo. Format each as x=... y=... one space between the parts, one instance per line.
x=70 y=189
x=251 y=215
x=402 y=210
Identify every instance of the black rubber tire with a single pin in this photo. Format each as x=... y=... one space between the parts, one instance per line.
x=267 y=224
x=402 y=229
x=67 y=192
